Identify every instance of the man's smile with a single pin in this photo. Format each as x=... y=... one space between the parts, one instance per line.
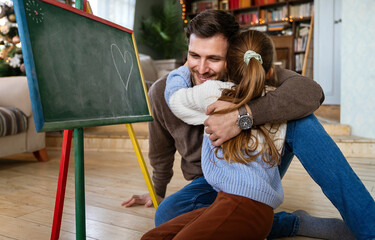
x=202 y=78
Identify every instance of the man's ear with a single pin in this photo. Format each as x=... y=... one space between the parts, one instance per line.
x=269 y=73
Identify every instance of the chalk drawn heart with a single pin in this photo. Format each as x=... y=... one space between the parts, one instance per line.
x=123 y=64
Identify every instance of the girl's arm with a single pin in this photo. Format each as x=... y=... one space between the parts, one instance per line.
x=190 y=103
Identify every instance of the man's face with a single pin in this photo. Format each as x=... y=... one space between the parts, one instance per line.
x=207 y=58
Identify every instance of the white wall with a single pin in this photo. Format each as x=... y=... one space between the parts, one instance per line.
x=358 y=67
x=327 y=43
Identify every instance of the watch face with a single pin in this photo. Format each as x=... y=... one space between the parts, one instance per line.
x=245 y=122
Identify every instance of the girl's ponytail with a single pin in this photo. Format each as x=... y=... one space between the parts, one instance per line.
x=249 y=59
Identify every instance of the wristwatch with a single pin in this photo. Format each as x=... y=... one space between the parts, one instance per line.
x=244 y=120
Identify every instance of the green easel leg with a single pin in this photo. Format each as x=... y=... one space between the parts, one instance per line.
x=79 y=184
x=79 y=4
x=79 y=173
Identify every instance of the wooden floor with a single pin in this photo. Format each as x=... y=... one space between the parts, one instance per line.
x=28 y=188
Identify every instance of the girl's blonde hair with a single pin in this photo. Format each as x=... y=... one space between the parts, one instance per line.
x=250 y=81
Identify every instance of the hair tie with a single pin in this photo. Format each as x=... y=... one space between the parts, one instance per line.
x=249 y=54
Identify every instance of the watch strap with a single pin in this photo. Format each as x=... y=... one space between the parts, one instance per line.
x=242 y=110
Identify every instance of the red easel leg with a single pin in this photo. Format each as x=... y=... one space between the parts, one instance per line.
x=60 y=194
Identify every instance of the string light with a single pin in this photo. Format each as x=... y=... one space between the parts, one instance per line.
x=183 y=15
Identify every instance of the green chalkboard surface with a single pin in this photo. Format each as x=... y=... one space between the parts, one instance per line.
x=82 y=70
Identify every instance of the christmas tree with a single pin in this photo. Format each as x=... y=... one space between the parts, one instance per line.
x=11 y=60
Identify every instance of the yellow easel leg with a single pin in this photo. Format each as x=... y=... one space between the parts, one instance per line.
x=142 y=164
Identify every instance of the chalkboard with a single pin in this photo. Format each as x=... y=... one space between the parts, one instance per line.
x=82 y=70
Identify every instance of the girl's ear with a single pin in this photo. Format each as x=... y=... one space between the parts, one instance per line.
x=269 y=73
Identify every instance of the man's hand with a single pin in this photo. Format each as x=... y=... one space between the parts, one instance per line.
x=144 y=199
x=221 y=127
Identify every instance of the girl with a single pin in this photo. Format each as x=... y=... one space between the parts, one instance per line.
x=244 y=169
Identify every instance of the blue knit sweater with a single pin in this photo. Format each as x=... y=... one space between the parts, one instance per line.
x=256 y=180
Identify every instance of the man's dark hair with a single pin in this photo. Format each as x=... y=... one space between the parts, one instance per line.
x=211 y=22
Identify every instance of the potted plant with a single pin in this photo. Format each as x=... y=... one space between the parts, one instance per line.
x=163 y=31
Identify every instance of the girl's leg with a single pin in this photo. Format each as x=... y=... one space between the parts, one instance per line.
x=196 y=194
x=230 y=217
x=169 y=229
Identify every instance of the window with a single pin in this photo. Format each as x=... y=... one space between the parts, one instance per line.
x=117 y=11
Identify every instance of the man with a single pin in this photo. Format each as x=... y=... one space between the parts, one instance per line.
x=209 y=35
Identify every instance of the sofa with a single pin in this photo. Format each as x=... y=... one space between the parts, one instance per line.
x=15 y=100
x=152 y=70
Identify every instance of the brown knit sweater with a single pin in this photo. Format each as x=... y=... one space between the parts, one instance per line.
x=295 y=97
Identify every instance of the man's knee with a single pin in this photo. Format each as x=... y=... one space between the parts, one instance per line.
x=305 y=127
x=308 y=121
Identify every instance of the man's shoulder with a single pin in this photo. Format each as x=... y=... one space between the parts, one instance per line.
x=157 y=88
x=284 y=74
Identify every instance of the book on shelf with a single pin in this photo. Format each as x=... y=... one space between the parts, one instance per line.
x=262 y=2
x=233 y=4
x=236 y=4
x=262 y=15
x=301 y=10
x=248 y=18
x=245 y=3
x=300 y=41
x=278 y=26
x=274 y=14
x=300 y=44
x=303 y=31
x=224 y=5
x=299 y=61
x=199 y=6
x=260 y=28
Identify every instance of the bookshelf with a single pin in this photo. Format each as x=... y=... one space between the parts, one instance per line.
x=287 y=21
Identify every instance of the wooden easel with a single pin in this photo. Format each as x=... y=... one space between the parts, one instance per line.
x=79 y=170
x=80 y=183
x=311 y=32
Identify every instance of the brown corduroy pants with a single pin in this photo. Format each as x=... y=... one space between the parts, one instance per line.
x=229 y=217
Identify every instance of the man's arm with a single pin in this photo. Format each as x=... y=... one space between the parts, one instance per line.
x=161 y=150
x=296 y=97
